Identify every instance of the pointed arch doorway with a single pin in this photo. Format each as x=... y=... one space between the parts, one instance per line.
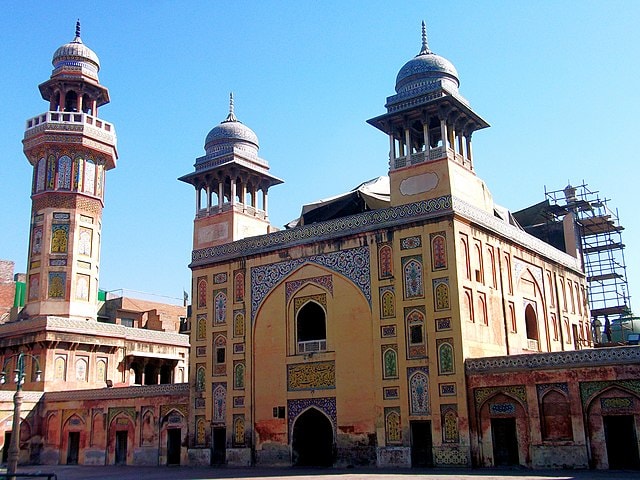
x=312 y=440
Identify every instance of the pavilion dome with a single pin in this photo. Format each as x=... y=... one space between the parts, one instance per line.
x=76 y=55
x=229 y=133
x=424 y=68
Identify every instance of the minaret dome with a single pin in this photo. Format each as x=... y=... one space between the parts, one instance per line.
x=426 y=68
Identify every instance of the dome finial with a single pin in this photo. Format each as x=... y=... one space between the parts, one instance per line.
x=231 y=117
x=78 y=28
x=425 y=45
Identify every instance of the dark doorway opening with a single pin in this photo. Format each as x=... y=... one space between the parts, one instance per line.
x=219 y=445
x=312 y=444
x=622 y=444
x=121 y=447
x=5 y=448
x=505 y=441
x=421 y=444
x=73 y=448
x=174 y=439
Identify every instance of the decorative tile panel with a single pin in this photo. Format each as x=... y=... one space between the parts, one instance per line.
x=589 y=390
x=447 y=389
x=311 y=376
x=390 y=393
x=360 y=223
x=219 y=278
x=502 y=408
x=388 y=331
x=418 y=378
x=327 y=405
x=387 y=302
x=353 y=264
x=412 y=276
x=443 y=324
x=410 y=242
x=482 y=394
x=324 y=281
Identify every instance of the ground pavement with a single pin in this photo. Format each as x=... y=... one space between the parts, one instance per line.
x=66 y=472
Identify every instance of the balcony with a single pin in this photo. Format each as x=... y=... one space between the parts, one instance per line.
x=57 y=121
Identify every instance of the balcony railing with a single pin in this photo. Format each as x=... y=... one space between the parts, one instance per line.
x=70 y=117
x=312 y=346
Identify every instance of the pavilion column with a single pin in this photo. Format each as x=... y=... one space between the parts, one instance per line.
x=443 y=132
x=407 y=142
x=233 y=191
x=243 y=194
x=198 y=193
x=80 y=102
x=220 y=194
x=425 y=133
x=208 y=199
x=265 y=198
x=392 y=151
x=469 y=154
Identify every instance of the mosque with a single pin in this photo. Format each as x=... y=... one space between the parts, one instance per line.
x=410 y=322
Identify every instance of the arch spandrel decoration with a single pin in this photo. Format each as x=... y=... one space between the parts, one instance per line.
x=326 y=405
x=590 y=390
x=354 y=264
x=324 y=281
x=481 y=395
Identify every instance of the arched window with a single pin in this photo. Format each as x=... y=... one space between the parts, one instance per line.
x=311 y=328
x=531 y=322
x=220 y=359
x=71 y=102
x=556 y=417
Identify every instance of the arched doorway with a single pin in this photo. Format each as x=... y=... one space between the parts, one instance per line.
x=312 y=443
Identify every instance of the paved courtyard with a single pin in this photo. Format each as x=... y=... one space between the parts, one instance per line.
x=65 y=472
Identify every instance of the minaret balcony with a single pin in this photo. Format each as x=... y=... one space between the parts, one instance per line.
x=433 y=154
x=72 y=122
x=236 y=207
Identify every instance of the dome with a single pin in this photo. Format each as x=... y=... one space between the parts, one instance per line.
x=229 y=132
x=76 y=54
x=426 y=67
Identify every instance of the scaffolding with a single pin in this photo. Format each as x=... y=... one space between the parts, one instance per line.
x=599 y=241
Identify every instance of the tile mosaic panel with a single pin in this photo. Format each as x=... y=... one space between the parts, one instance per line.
x=388 y=331
x=410 y=242
x=219 y=278
x=443 y=324
x=391 y=393
x=412 y=277
x=353 y=264
x=418 y=378
x=438 y=251
x=324 y=281
x=387 y=302
x=447 y=389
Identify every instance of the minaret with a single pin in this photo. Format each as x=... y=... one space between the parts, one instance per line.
x=231 y=184
x=70 y=149
x=430 y=126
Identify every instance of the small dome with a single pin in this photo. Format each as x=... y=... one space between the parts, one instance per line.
x=229 y=132
x=76 y=54
x=426 y=67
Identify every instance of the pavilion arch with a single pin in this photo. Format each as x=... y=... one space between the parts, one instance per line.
x=607 y=410
x=503 y=411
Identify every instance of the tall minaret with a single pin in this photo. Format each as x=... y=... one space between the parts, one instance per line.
x=70 y=149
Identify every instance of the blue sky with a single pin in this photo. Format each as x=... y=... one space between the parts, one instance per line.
x=557 y=81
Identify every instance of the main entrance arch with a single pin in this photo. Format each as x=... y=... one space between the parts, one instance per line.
x=312 y=442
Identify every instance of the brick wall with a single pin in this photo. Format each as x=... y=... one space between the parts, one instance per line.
x=7 y=288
